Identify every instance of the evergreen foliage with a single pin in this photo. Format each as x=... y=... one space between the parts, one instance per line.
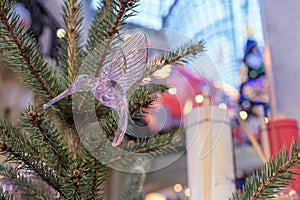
x=272 y=178
x=44 y=148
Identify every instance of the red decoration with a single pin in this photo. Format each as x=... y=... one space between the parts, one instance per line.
x=281 y=133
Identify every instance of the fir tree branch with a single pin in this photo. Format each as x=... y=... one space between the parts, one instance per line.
x=72 y=53
x=71 y=37
x=75 y=185
x=24 y=54
x=181 y=54
x=20 y=150
x=37 y=123
x=142 y=99
x=109 y=19
x=14 y=35
x=94 y=189
x=26 y=188
x=151 y=147
x=40 y=169
x=105 y=27
x=113 y=30
x=135 y=180
x=273 y=177
x=51 y=144
x=5 y=195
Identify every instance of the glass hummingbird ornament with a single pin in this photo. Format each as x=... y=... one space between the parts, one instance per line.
x=128 y=64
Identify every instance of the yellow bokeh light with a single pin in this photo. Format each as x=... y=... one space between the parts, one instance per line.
x=199 y=98
x=222 y=106
x=60 y=33
x=177 y=187
x=126 y=36
x=172 y=90
x=292 y=193
x=146 y=80
x=188 y=107
x=187 y=192
x=266 y=120
x=243 y=115
x=155 y=196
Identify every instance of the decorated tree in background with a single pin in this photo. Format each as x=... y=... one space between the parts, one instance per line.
x=60 y=153
x=253 y=88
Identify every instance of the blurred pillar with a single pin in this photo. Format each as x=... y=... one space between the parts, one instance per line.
x=209 y=154
x=282 y=35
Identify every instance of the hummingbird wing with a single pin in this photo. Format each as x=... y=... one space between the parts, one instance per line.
x=129 y=61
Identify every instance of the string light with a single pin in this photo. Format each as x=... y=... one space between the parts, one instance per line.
x=243 y=115
x=199 y=98
x=266 y=120
x=126 y=36
x=177 y=188
x=188 y=106
x=60 y=33
x=187 y=192
x=155 y=196
x=222 y=106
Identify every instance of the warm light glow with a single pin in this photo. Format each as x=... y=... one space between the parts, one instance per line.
x=266 y=120
x=188 y=106
x=60 y=33
x=177 y=187
x=292 y=193
x=243 y=115
x=187 y=192
x=146 y=80
x=163 y=72
x=126 y=36
x=155 y=196
x=172 y=90
x=199 y=98
x=222 y=106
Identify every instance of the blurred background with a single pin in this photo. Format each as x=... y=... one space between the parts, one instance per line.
x=251 y=61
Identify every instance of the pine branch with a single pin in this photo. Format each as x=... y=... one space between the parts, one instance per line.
x=273 y=177
x=181 y=54
x=95 y=174
x=142 y=99
x=94 y=190
x=5 y=195
x=38 y=126
x=109 y=19
x=77 y=182
x=26 y=188
x=22 y=51
x=149 y=148
x=100 y=174
x=135 y=180
x=18 y=149
x=72 y=53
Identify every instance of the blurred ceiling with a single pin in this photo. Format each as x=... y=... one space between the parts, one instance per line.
x=220 y=23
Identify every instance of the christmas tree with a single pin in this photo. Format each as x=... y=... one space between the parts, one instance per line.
x=65 y=146
x=56 y=144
